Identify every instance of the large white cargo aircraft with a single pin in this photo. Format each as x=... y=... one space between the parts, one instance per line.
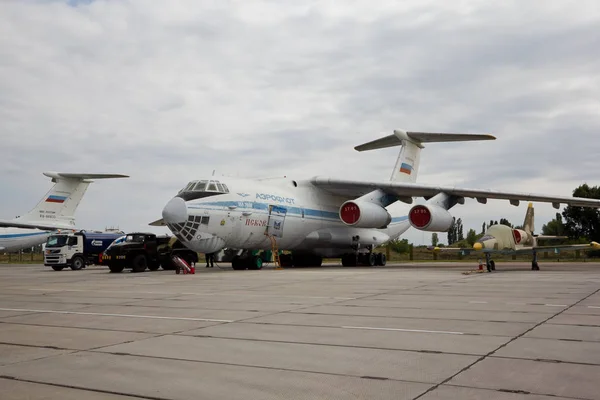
x=322 y=216
x=54 y=212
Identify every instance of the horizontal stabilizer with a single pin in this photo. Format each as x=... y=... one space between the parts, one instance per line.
x=70 y=175
x=420 y=137
x=158 y=222
x=33 y=225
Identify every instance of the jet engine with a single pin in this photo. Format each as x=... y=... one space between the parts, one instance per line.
x=521 y=237
x=430 y=218
x=362 y=214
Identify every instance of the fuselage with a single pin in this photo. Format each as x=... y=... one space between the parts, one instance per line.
x=14 y=239
x=300 y=216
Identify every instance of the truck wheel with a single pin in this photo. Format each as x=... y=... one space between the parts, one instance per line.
x=77 y=263
x=57 y=268
x=139 y=263
x=116 y=268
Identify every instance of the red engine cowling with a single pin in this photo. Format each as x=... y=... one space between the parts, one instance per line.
x=520 y=236
x=364 y=215
x=430 y=218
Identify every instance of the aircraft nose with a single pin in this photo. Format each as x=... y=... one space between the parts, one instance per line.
x=477 y=246
x=175 y=212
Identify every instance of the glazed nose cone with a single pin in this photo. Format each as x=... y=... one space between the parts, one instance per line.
x=175 y=212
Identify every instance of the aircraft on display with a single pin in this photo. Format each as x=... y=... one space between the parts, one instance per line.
x=54 y=212
x=323 y=216
x=502 y=239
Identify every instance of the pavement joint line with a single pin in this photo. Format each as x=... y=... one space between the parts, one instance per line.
x=454 y=385
x=401 y=330
x=305 y=371
x=593 y=306
x=556 y=305
x=298 y=311
x=119 y=315
x=133 y=396
x=491 y=353
x=331 y=345
x=548 y=360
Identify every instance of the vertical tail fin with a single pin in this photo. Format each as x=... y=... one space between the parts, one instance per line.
x=59 y=204
x=528 y=223
x=407 y=164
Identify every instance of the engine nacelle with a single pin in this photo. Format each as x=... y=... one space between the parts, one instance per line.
x=521 y=237
x=429 y=217
x=362 y=214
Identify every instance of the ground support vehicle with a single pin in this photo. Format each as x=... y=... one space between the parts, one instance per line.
x=76 y=249
x=141 y=250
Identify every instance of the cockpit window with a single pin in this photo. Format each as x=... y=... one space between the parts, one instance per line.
x=486 y=237
x=200 y=186
x=135 y=238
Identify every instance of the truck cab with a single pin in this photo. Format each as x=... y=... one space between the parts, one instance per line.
x=76 y=249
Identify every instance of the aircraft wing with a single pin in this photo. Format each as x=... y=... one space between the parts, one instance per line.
x=33 y=225
x=353 y=189
x=591 y=245
x=158 y=222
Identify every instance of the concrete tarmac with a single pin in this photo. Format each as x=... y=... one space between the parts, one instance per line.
x=409 y=331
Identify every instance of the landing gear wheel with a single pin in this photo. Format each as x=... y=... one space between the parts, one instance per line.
x=116 y=268
x=349 y=260
x=139 y=263
x=256 y=263
x=57 y=268
x=77 y=263
x=237 y=263
x=370 y=260
x=381 y=259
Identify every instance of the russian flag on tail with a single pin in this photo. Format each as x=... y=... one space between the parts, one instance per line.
x=56 y=199
x=406 y=168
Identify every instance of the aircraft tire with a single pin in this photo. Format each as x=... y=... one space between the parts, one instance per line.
x=255 y=263
x=57 y=268
x=369 y=260
x=381 y=259
x=237 y=263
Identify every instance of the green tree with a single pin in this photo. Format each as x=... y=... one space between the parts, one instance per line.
x=459 y=230
x=555 y=227
x=583 y=221
x=400 y=246
x=504 y=221
x=471 y=237
x=434 y=239
x=453 y=232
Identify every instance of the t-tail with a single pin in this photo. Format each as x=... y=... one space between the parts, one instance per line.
x=57 y=207
x=407 y=164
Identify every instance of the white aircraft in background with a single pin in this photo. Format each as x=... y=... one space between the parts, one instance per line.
x=54 y=212
x=502 y=239
x=322 y=216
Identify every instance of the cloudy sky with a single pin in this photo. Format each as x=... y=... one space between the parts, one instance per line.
x=254 y=88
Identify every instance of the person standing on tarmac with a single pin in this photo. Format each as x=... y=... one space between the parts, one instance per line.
x=210 y=257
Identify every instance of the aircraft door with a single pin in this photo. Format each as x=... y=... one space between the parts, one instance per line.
x=276 y=220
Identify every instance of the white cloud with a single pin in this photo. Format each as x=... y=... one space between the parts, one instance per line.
x=262 y=88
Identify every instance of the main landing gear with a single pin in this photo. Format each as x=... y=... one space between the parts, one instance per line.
x=247 y=262
x=534 y=262
x=369 y=259
x=363 y=259
x=489 y=263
